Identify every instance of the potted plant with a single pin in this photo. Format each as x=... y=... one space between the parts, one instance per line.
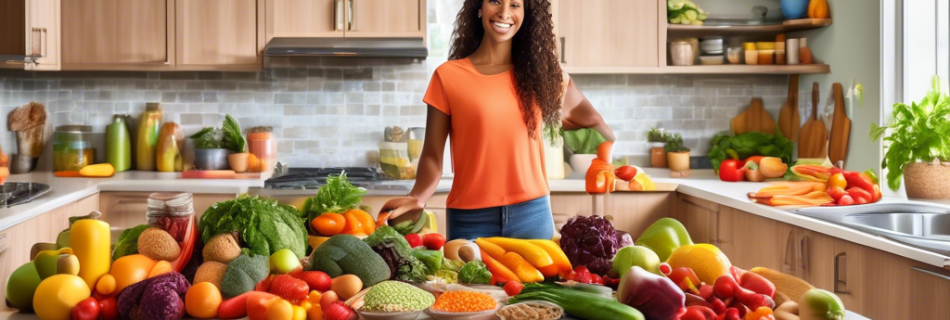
x=234 y=141
x=657 y=139
x=212 y=146
x=918 y=147
x=677 y=156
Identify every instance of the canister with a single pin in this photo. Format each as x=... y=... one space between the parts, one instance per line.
x=263 y=148
x=791 y=45
x=72 y=148
x=118 y=144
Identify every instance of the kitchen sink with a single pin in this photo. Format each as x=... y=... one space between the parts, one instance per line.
x=920 y=225
x=14 y=193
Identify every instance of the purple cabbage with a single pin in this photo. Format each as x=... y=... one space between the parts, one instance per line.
x=624 y=239
x=158 y=298
x=657 y=297
x=591 y=242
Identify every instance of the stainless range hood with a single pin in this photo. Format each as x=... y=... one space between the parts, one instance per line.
x=347 y=47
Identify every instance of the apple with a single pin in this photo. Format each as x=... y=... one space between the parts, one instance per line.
x=283 y=261
x=21 y=286
x=626 y=173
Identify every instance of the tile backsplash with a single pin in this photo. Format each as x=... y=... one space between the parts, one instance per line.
x=331 y=111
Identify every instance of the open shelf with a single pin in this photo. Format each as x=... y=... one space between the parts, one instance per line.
x=700 y=69
x=786 y=26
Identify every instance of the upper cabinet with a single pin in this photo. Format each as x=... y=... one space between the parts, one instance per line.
x=304 y=18
x=345 y=18
x=218 y=34
x=30 y=28
x=117 y=35
x=608 y=33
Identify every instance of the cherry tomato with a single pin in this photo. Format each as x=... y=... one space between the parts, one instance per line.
x=87 y=309
x=513 y=288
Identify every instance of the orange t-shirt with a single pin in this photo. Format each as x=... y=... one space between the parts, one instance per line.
x=496 y=163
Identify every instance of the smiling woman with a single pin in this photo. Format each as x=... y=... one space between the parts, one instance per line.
x=501 y=86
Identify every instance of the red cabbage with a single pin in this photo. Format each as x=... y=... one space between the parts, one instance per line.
x=655 y=296
x=590 y=242
x=158 y=298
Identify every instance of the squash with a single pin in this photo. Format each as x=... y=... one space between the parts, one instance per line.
x=102 y=170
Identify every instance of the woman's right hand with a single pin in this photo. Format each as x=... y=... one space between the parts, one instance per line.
x=398 y=206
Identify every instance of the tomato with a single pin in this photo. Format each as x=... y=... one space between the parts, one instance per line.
x=846 y=200
x=837 y=180
x=836 y=192
x=202 y=300
x=626 y=173
x=513 y=288
x=87 y=309
x=859 y=195
x=280 y=310
x=731 y=171
x=109 y=309
x=329 y=224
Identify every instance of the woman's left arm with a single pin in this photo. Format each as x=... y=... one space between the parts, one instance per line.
x=578 y=113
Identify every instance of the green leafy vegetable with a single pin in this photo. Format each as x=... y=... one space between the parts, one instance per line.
x=337 y=196
x=431 y=258
x=346 y=254
x=263 y=225
x=233 y=139
x=583 y=141
x=919 y=132
x=209 y=138
x=128 y=242
x=742 y=146
x=395 y=250
x=674 y=143
x=657 y=135
x=475 y=272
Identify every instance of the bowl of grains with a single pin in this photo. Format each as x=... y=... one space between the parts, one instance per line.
x=394 y=300
x=457 y=305
x=531 y=310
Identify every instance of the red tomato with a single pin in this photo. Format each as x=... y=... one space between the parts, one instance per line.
x=513 y=288
x=87 y=309
x=731 y=171
x=846 y=200
x=836 y=193
x=626 y=173
x=859 y=195
x=109 y=309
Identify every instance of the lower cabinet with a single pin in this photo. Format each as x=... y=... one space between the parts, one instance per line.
x=17 y=241
x=127 y=209
x=700 y=217
x=632 y=212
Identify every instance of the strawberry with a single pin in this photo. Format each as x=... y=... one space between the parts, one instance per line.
x=289 y=288
x=433 y=241
x=317 y=280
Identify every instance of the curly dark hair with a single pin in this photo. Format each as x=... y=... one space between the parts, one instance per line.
x=538 y=76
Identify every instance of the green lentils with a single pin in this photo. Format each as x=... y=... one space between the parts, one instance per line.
x=394 y=296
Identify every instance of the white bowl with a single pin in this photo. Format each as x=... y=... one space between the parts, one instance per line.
x=370 y=315
x=580 y=162
x=480 y=315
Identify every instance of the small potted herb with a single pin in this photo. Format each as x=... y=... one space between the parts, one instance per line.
x=212 y=145
x=677 y=155
x=657 y=139
x=234 y=141
x=918 y=147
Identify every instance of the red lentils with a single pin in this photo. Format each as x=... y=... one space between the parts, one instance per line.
x=464 y=301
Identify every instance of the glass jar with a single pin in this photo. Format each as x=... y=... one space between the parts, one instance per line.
x=172 y=212
x=72 y=148
x=683 y=52
x=261 y=144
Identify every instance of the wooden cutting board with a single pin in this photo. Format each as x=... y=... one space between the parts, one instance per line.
x=814 y=135
x=789 y=120
x=840 y=128
x=755 y=118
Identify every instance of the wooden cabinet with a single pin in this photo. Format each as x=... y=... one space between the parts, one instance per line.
x=43 y=33
x=929 y=293
x=304 y=18
x=631 y=212
x=127 y=209
x=753 y=241
x=117 y=35
x=609 y=33
x=700 y=217
x=385 y=18
x=218 y=34
x=345 y=18
x=17 y=241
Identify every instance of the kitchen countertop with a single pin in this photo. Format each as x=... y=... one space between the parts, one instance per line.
x=702 y=184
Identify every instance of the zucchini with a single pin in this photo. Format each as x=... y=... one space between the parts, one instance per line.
x=580 y=304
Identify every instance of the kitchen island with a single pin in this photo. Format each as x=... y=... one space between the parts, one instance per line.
x=877 y=277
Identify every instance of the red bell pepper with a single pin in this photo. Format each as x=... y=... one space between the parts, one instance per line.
x=187 y=246
x=731 y=170
x=855 y=180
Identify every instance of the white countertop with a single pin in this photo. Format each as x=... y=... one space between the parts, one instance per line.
x=66 y=190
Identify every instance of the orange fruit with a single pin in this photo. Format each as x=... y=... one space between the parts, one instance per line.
x=353 y=225
x=837 y=180
x=202 y=300
x=706 y=260
x=366 y=220
x=280 y=310
x=329 y=224
x=253 y=163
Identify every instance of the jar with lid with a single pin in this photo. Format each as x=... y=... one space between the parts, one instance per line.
x=72 y=148
x=683 y=51
x=261 y=144
x=172 y=212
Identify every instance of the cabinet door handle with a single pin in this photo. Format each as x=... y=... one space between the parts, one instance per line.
x=790 y=254
x=837 y=274
x=563 y=58
x=4 y=242
x=338 y=15
x=941 y=276
x=352 y=17
x=806 y=251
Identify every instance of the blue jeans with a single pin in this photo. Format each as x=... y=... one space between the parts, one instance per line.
x=531 y=219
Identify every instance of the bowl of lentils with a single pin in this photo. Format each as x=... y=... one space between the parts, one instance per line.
x=463 y=304
x=394 y=300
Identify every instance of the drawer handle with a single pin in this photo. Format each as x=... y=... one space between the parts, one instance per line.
x=941 y=276
x=563 y=58
x=4 y=242
x=790 y=244
x=837 y=278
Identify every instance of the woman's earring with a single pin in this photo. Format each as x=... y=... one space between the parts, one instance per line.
x=479 y=14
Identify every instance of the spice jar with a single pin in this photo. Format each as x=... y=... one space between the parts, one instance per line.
x=72 y=148
x=751 y=53
x=172 y=212
x=683 y=52
x=766 y=57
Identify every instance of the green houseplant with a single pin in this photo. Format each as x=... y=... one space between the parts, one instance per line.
x=677 y=154
x=212 y=145
x=657 y=139
x=918 y=145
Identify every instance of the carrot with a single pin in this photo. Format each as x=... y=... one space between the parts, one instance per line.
x=499 y=272
x=236 y=307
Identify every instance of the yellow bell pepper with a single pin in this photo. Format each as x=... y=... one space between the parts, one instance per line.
x=102 y=170
x=532 y=253
x=524 y=270
x=91 y=245
x=491 y=249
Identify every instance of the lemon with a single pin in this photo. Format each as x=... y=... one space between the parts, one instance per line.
x=645 y=182
x=706 y=260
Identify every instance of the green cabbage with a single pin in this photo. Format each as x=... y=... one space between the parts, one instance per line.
x=263 y=225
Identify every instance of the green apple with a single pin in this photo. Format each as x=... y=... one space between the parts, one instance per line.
x=62 y=240
x=639 y=256
x=664 y=236
x=283 y=261
x=21 y=286
x=46 y=262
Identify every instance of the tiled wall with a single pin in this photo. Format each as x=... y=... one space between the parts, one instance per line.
x=331 y=111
